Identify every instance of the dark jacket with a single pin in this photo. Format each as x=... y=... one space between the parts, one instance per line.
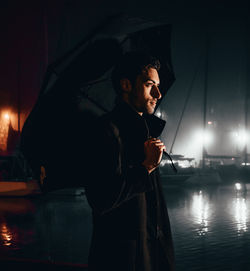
x=131 y=229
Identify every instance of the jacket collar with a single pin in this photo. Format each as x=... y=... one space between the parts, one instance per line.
x=148 y=125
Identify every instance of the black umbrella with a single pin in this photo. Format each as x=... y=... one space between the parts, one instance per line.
x=77 y=87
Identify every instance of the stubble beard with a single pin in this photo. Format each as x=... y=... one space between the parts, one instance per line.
x=147 y=107
x=150 y=107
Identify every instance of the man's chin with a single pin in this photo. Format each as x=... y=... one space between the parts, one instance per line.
x=150 y=110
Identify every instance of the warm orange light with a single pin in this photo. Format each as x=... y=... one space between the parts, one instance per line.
x=6 y=235
x=6 y=116
x=4 y=129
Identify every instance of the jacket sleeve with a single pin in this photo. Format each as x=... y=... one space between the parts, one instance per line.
x=113 y=181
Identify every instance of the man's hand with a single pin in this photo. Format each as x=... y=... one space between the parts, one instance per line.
x=153 y=149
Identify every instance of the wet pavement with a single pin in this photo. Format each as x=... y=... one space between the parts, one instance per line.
x=211 y=227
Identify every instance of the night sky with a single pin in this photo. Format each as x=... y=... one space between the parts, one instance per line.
x=36 y=33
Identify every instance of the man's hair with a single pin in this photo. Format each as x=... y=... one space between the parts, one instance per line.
x=130 y=65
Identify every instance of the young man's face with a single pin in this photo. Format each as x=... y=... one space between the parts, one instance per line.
x=146 y=93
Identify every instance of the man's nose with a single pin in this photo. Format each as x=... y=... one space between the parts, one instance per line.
x=156 y=92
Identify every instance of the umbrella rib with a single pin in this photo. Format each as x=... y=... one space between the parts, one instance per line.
x=85 y=95
x=94 y=82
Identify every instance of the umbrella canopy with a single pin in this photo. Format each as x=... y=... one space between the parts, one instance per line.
x=77 y=87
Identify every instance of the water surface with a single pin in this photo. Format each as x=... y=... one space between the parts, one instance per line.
x=210 y=226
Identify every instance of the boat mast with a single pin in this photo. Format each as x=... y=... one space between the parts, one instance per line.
x=186 y=103
x=205 y=100
x=247 y=93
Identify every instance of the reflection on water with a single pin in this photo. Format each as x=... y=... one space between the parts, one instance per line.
x=6 y=236
x=16 y=223
x=14 y=234
x=240 y=214
x=210 y=228
x=200 y=211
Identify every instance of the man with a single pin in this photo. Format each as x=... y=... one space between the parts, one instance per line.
x=131 y=228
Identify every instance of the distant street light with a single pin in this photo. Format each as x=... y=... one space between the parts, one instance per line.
x=203 y=137
x=158 y=113
x=238 y=186
x=240 y=138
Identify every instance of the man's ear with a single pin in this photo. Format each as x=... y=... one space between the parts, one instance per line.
x=126 y=85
